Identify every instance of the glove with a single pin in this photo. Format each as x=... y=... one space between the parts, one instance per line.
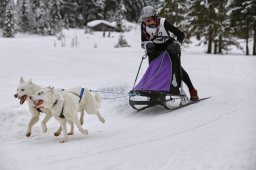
x=177 y=46
x=174 y=48
x=150 y=48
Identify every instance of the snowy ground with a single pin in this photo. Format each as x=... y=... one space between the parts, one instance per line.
x=217 y=134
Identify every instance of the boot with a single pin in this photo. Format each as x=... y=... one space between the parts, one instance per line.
x=193 y=95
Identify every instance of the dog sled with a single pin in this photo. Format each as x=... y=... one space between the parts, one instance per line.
x=161 y=83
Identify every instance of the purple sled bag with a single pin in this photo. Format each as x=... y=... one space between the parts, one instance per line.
x=158 y=75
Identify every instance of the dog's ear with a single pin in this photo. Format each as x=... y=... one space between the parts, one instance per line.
x=21 y=79
x=30 y=81
x=49 y=87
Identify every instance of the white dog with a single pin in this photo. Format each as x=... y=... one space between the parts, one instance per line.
x=88 y=103
x=63 y=106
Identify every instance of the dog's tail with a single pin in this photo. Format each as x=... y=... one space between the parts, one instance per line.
x=98 y=101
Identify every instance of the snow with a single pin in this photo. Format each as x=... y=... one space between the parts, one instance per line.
x=215 y=134
x=97 y=22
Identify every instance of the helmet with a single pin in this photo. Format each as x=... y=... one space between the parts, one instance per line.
x=147 y=11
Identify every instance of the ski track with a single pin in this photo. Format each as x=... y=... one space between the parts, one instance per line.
x=142 y=142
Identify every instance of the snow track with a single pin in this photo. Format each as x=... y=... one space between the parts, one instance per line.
x=215 y=134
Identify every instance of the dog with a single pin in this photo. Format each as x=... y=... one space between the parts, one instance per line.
x=63 y=106
x=88 y=103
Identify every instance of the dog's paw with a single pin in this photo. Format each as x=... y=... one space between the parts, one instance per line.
x=71 y=133
x=28 y=134
x=44 y=128
x=102 y=120
x=84 y=131
x=56 y=133
x=62 y=141
x=81 y=121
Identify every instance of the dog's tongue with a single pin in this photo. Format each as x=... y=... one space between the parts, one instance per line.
x=23 y=99
x=39 y=104
x=21 y=102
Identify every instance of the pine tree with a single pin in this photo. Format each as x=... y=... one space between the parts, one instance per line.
x=8 y=30
x=250 y=11
x=200 y=21
x=24 y=24
x=43 y=18
x=3 y=4
x=35 y=9
x=221 y=39
x=240 y=21
x=69 y=12
x=133 y=9
x=207 y=20
x=55 y=18
x=175 y=13
x=154 y=3
x=90 y=10
x=110 y=9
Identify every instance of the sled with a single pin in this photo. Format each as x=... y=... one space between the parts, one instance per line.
x=159 y=84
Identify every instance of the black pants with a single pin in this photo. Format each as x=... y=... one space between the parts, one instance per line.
x=186 y=79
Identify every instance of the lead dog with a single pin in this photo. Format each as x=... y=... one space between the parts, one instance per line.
x=88 y=103
x=63 y=106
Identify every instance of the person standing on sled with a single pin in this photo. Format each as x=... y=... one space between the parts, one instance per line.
x=153 y=26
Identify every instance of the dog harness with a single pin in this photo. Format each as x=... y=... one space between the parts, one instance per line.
x=80 y=95
x=38 y=109
x=62 y=110
x=61 y=113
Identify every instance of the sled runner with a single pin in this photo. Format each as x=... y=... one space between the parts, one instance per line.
x=161 y=83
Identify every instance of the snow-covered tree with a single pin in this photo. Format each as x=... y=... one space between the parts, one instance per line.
x=55 y=17
x=154 y=3
x=207 y=20
x=200 y=21
x=8 y=30
x=23 y=21
x=68 y=11
x=90 y=9
x=133 y=9
x=3 y=4
x=35 y=9
x=110 y=9
x=175 y=12
x=249 y=8
x=240 y=20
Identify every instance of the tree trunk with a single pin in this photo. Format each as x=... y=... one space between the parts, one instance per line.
x=247 y=39
x=209 y=50
x=220 y=44
x=254 y=41
x=247 y=45
x=215 y=46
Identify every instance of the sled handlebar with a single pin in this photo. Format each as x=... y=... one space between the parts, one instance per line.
x=152 y=39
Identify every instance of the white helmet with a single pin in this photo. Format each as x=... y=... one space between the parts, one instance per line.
x=147 y=11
